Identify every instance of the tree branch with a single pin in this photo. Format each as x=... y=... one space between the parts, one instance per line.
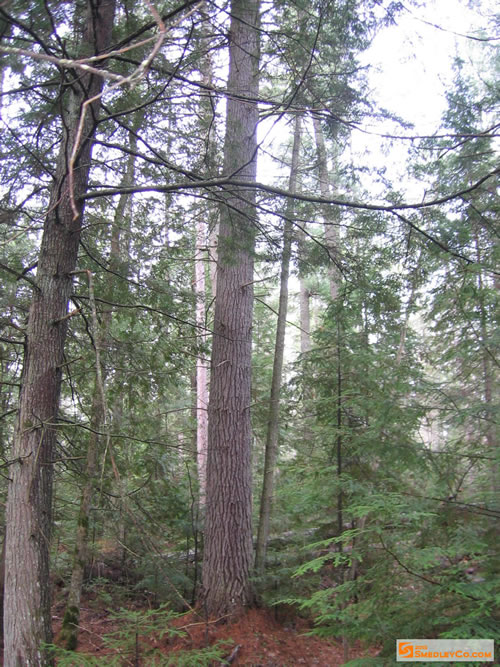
x=280 y=192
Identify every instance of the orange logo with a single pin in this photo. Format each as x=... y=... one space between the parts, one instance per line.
x=436 y=650
x=405 y=650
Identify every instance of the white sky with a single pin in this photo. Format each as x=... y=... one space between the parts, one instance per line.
x=411 y=70
x=414 y=59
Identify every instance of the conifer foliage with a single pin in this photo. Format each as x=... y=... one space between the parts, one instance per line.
x=188 y=231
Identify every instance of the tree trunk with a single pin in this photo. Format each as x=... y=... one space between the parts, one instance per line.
x=491 y=436
x=204 y=230
x=69 y=630
x=201 y=362
x=414 y=278
x=27 y=590
x=228 y=528
x=304 y=314
x=329 y=217
x=279 y=350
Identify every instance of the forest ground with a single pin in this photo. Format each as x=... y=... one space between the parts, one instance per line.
x=262 y=637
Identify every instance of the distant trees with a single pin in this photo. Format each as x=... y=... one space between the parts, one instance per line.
x=273 y=422
x=357 y=400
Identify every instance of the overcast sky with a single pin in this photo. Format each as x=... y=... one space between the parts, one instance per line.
x=410 y=72
x=411 y=61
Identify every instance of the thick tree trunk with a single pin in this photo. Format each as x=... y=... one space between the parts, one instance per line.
x=27 y=591
x=279 y=351
x=69 y=630
x=228 y=527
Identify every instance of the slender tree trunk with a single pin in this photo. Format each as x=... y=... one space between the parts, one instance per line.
x=69 y=630
x=228 y=525
x=27 y=590
x=2 y=584
x=5 y=32
x=409 y=307
x=491 y=435
x=332 y=243
x=304 y=313
x=209 y=168
x=201 y=362
x=329 y=216
x=213 y=256
x=279 y=350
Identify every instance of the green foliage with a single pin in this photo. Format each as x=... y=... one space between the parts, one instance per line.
x=169 y=578
x=387 y=484
x=194 y=658
x=137 y=641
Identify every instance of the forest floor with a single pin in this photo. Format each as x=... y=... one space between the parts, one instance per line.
x=258 y=639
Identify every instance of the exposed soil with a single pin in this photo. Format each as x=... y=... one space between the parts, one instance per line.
x=258 y=639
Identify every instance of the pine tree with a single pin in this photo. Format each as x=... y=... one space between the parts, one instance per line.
x=29 y=504
x=228 y=530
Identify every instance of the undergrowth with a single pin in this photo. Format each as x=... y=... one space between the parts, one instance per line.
x=141 y=638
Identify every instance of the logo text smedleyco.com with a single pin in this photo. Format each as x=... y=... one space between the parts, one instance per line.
x=445 y=650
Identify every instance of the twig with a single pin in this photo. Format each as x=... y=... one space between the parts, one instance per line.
x=421 y=576
x=74 y=312
x=19 y=459
x=131 y=80
x=232 y=656
x=19 y=276
x=12 y=341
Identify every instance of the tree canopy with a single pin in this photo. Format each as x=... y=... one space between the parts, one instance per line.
x=193 y=224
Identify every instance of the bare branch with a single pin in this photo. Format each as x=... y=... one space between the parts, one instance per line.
x=280 y=192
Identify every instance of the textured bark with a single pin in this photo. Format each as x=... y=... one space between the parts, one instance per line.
x=279 y=350
x=228 y=528
x=81 y=560
x=2 y=584
x=27 y=591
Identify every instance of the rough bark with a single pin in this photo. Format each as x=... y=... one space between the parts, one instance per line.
x=228 y=528
x=271 y=451
x=27 y=591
